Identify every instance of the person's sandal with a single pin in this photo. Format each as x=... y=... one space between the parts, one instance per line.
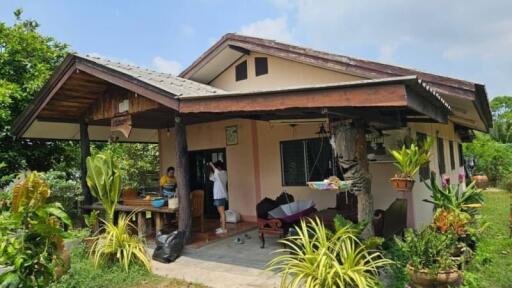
x=239 y=240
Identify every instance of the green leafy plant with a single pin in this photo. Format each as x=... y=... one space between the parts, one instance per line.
x=317 y=257
x=452 y=198
x=429 y=250
x=104 y=180
x=411 y=158
x=65 y=189
x=31 y=235
x=117 y=242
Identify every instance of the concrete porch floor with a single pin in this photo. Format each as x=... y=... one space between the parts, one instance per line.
x=225 y=263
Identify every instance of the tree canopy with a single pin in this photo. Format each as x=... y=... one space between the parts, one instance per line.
x=27 y=59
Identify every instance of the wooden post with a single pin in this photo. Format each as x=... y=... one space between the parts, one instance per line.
x=352 y=156
x=183 y=177
x=85 y=151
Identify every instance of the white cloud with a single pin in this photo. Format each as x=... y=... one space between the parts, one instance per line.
x=275 y=29
x=115 y=59
x=166 y=66
x=464 y=39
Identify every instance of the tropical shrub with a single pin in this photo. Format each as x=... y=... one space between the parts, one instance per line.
x=452 y=198
x=117 y=242
x=429 y=250
x=317 y=257
x=448 y=220
x=411 y=158
x=104 y=181
x=31 y=235
x=65 y=189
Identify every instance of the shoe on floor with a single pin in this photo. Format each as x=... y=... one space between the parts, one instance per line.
x=221 y=231
x=247 y=236
x=239 y=240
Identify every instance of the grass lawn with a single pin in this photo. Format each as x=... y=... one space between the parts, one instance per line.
x=492 y=266
x=83 y=274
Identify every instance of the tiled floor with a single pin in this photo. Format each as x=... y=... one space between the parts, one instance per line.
x=200 y=239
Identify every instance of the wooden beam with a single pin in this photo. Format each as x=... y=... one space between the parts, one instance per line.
x=85 y=151
x=183 y=177
x=376 y=96
x=426 y=106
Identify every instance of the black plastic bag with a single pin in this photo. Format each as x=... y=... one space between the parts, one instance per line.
x=285 y=198
x=264 y=207
x=169 y=246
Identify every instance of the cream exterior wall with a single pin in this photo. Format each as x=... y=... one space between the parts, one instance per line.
x=239 y=158
x=281 y=73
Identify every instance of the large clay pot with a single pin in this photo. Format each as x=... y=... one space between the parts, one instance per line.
x=129 y=193
x=402 y=184
x=481 y=181
x=62 y=265
x=443 y=279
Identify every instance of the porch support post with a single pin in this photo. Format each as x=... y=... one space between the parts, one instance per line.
x=183 y=177
x=350 y=147
x=85 y=151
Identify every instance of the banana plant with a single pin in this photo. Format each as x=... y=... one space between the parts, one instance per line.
x=104 y=181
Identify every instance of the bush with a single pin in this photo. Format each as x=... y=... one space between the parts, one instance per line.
x=65 y=189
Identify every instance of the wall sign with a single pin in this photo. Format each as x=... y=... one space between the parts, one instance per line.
x=122 y=124
x=231 y=135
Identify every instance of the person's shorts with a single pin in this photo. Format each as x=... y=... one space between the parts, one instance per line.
x=219 y=202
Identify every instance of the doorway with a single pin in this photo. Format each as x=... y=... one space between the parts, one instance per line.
x=200 y=180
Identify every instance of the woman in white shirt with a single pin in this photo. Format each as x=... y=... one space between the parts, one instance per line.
x=219 y=177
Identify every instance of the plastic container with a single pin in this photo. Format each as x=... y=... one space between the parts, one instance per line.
x=157 y=203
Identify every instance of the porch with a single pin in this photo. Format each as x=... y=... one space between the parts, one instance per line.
x=87 y=98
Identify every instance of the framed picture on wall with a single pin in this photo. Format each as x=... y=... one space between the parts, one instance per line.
x=231 y=135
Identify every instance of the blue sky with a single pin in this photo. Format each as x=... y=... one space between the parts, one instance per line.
x=463 y=39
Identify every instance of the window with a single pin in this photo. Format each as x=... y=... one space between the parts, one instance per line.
x=261 y=65
x=305 y=160
x=440 y=156
x=425 y=169
x=241 y=71
x=461 y=155
x=452 y=155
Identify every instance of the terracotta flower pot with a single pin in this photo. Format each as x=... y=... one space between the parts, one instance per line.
x=62 y=266
x=129 y=193
x=443 y=279
x=402 y=184
x=481 y=181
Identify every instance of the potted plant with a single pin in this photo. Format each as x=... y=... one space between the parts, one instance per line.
x=409 y=159
x=430 y=258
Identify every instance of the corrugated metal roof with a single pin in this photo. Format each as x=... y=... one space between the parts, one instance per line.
x=168 y=82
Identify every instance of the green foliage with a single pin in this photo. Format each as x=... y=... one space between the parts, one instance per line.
x=452 y=198
x=31 y=235
x=104 y=181
x=493 y=159
x=91 y=219
x=65 y=190
x=134 y=160
x=27 y=59
x=116 y=242
x=316 y=257
x=493 y=259
x=83 y=273
x=411 y=158
x=429 y=250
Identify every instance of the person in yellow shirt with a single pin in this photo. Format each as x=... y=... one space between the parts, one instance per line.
x=168 y=183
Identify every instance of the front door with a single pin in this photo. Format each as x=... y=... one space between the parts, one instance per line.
x=199 y=178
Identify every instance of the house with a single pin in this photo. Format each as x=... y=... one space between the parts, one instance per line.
x=259 y=105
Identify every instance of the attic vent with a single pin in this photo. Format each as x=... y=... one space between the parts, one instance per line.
x=241 y=71
x=261 y=64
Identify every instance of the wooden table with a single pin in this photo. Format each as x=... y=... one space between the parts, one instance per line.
x=140 y=211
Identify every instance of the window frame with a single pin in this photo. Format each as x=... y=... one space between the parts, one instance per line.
x=452 y=154
x=239 y=74
x=424 y=171
x=441 y=161
x=304 y=142
x=260 y=70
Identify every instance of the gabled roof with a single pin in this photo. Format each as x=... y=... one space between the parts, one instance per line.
x=232 y=46
x=176 y=85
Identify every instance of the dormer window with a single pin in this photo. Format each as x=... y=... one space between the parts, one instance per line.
x=261 y=65
x=241 y=71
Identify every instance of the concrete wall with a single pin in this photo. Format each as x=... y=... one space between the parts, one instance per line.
x=239 y=158
x=281 y=73
x=254 y=164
